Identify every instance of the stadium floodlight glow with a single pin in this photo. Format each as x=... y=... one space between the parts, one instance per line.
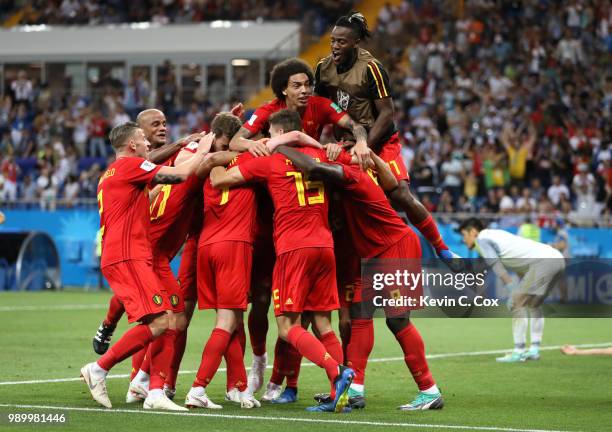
x=241 y=62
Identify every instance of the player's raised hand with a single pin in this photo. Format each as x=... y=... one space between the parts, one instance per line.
x=238 y=110
x=259 y=148
x=206 y=142
x=333 y=150
x=362 y=153
x=193 y=137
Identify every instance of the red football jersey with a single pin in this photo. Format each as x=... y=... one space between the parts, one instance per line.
x=300 y=206
x=319 y=112
x=123 y=203
x=229 y=214
x=172 y=213
x=373 y=224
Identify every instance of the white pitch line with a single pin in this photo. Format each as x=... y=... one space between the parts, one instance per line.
x=282 y=419
x=51 y=307
x=309 y=364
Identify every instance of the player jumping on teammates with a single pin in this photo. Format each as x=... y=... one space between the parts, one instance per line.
x=359 y=85
x=539 y=267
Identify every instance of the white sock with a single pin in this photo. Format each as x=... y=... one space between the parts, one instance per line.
x=197 y=391
x=260 y=359
x=358 y=387
x=537 y=325
x=97 y=371
x=141 y=377
x=432 y=390
x=272 y=386
x=519 y=328
x=155 y=394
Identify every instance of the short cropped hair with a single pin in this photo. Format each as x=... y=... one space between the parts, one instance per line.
x=119 y=135
x=225 y=123
x=471 y=223
x=281 y=72
x=287 y=120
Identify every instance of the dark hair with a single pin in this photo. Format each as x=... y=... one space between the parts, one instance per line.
x=471 y=223
x=120 y=134
x=225 y=123
x=356 y=22
x=287 y=119
x=281 y=72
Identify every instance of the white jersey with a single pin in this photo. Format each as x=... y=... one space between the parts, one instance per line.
x=515 y=253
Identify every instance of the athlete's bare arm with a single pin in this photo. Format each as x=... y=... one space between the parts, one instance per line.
x=165 y=152
x=212 y=160
x=178 y=174
x=332 y=173
x=383 y=122
x=295 y=138
x=361 y=136
x=386 y=179
x=242 y=142
x=222 y=178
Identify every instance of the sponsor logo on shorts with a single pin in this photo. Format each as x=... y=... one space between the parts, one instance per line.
x=174 y=299
x=289 y=302
x=157 y=299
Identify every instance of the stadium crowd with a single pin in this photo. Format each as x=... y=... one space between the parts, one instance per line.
x=492 y=119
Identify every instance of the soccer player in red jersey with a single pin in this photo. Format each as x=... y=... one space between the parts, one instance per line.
x=123 y=202
x=292 y=82
x=358 y=84
x=225 y=253
x=175 y=214
x=377 y=232
x=304 y=276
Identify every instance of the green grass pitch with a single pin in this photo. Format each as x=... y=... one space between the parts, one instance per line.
x=43 y=336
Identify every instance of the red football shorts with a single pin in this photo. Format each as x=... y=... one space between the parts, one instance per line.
x=162 y=269
x=138 y=288
x=305 y=280
x=187 y=274
x=224 y=275
x=390 y=152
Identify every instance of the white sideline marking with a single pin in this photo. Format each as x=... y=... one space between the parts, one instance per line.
x=52 y=307
x=286 y=419
x=309 y=364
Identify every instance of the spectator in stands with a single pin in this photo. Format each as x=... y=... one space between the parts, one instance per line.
x=47 y=185
x=71 y=191
x=22 y=89
x=557 y=190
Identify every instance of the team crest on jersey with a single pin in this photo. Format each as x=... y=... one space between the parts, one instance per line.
x=157 y=299
x=174 y=299
x=343 y=99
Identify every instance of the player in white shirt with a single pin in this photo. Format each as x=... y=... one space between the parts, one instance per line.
x=539 y=267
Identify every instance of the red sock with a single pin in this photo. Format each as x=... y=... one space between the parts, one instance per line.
x=234 y=358
x=132 y=341
x=332 y=345
x=137 y=360
x=179 y=349
x=360 y=347
x=241 y=337
x=414 y=354
x=115 y=311
x=211 y=356
x=291 y=366
x=312 y=348
x=145 y=366
x=162 y=353
x=281 y=350
x=258 y=329
x=429 y=229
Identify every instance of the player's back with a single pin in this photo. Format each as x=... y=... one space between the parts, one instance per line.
x=123 y=203
x=172 y=212
x=229 y=214
x=373 y=224
x=300 y=205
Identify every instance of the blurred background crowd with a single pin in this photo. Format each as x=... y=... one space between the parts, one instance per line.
x=502 y=106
